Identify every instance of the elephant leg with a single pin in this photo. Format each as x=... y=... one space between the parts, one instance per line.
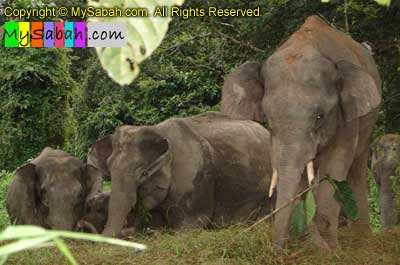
x=327 y=216
x=358 y=181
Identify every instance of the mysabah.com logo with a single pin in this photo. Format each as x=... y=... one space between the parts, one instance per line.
x=64 y=34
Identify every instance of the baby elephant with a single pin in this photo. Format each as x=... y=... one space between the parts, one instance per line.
x=385 y=162
x=50 y=191
x=197 y=171
x=95 y=217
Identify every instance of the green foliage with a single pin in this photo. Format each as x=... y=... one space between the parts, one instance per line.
x=381 y=2
x=5 y=181
x=298 y=221
x=345 y=197
x=144 y=35
x=34 y=91
x=373 y=202
x=310 y=207
x=33 y=237
x=142 y=213
x=303 y=214
x=183 y=76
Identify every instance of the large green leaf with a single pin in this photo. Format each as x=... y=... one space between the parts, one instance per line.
x=310 y=207
x=298 y=221
x=31 y=237
x=381 y=2
x=144 y=35
x=344 y=195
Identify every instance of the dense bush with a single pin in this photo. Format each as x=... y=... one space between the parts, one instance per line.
x=5 y=181
x=34 y=89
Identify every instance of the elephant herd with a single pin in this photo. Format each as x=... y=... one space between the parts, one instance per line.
x=319 y=94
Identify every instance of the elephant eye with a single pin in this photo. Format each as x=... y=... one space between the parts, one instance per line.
x=145 y=174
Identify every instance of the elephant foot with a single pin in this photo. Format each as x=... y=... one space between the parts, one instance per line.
x=127 y=232
x=319 y=242
x=363 y=229
x=313 y=238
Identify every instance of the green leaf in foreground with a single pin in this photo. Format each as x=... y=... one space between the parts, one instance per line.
x=298 y=221
x=310 y=207
x=30 y=237
x=345 y=197
x=383 y=2
x=3 y=260
x=144 y=35
x=65 y=251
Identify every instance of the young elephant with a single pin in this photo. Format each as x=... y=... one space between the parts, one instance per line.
x=385 y=162
x=50 y=191
x=196 y=171
x=95 y=216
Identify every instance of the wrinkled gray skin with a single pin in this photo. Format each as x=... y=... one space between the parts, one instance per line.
x=321 y=97
x=198 y=171
x=95 y=217
x=385 y=161
x=50 y=190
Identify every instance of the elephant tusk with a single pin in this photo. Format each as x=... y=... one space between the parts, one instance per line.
x=310 y=172
x=274 y=181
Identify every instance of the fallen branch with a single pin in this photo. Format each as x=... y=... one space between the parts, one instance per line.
x=278 y=209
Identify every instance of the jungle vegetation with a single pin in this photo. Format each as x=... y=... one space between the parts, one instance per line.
x=64 y=99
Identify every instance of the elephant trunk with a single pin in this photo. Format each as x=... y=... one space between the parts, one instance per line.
x=291 y=156
x=289 y=179
x=61 y=214
x=120 y=205
x=386 y=168
x=62 y=222
x=388 y=209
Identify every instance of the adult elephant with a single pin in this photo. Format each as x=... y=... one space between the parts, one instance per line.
x=321 y=95
x=385 y=163
x=197 y=171
x=50 y=191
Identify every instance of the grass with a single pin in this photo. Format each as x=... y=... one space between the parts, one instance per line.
x=226 y=246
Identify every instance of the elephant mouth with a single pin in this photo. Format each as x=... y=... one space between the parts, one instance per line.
x=310 y=177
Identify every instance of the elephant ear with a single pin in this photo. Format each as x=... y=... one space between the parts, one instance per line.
x=99 y=152
x=155 y=152
x=359 y=92
x=242 y=93
x=21 y=198
x=93 y=181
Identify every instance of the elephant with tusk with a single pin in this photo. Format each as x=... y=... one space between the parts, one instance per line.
x=51 y=190
x=320 y=94
x=385 y=166
x=199 y=171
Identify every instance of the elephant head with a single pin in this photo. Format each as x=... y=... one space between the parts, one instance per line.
x=385 y=162
x=50 y=190
x=138 y=160
x=95 y=217
x=312 y=103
